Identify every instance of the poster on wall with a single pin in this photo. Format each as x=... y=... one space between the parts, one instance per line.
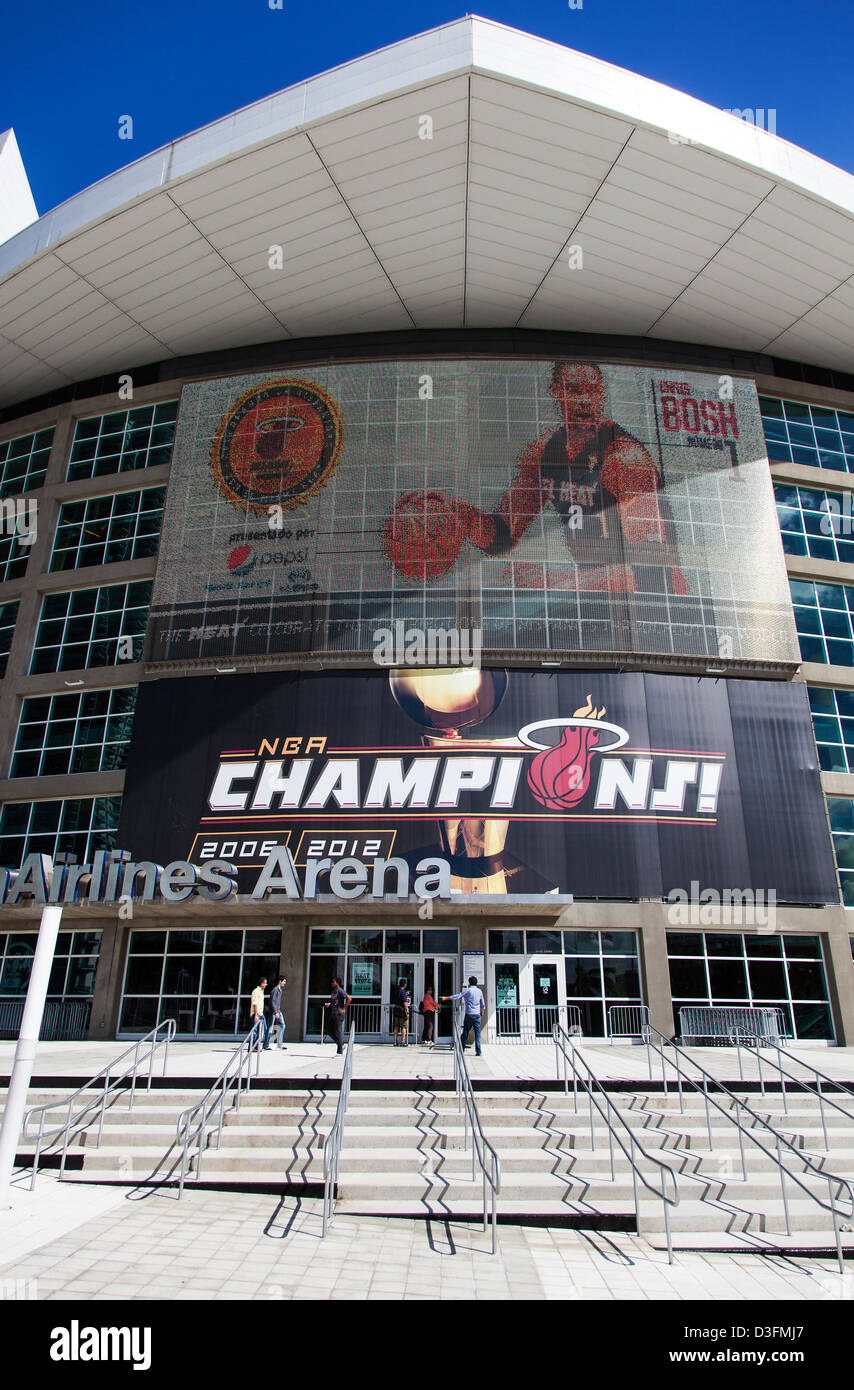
x=362 y=979
x=597 y=784
x=550 y=505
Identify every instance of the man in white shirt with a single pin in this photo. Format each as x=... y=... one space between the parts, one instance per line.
x=256 y=1008
x=475 y=1008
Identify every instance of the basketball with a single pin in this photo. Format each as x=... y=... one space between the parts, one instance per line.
x=423 y=535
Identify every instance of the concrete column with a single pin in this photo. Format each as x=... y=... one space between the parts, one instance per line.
x=840 y=975
x=106 y=998
x=293 y=963
x=656 y=974
x=473 y=938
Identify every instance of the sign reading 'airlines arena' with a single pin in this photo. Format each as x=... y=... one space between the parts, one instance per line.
x=596 y=784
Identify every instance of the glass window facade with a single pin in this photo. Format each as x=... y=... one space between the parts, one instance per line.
x=731 y=968
x=86 y=732
x=8 y=618
x=600 y=968
x=122 y=440
x=337 y=951
x=833 y=725
x=814 y=523
x=72 y=976
x=810 y=434
x=823 y=616
x=14 y=555
x=81 y=628
x=78 y=826
x=841 y=812
x=202 y=979
x=23 y=462
x=107 y=530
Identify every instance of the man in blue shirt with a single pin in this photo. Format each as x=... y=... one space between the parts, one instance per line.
x=475 y=1007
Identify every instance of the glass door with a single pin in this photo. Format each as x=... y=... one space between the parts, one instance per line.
x=545 y=992
x=507 y=998
x=440 y=974
x=401 y=971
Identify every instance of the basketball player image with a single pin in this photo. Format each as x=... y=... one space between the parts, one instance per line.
x=602 y=483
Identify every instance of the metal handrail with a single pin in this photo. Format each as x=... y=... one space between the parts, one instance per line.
x=335 y=1138
x=561 y=1040
x=739 y=1034
x=482 y=1152
x=780 y=1138
x=100 y=1101
x=214 y=1097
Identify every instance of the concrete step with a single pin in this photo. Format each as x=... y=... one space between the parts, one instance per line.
x=732 y=1217
x=814 y=1242
x=568 y=1213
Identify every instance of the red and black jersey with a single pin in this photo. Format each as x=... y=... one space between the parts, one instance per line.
x=591 y=478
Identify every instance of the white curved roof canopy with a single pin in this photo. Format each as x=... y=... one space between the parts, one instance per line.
x=736 y=238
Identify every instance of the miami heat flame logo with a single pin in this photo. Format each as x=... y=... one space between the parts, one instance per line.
x=560 y=774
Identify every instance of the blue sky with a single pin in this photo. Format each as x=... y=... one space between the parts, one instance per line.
x=68 y=72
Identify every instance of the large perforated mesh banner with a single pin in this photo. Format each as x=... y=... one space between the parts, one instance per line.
x=543 y=506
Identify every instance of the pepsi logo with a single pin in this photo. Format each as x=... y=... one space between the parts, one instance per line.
x=241 y=560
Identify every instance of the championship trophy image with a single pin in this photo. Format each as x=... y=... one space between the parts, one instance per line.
x=445 y=703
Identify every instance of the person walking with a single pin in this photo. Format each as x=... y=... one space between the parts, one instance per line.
x=475 y=1008
x=338 y=1002
x=429 y=1008
x=400 y=1012
x=277 y=1018
x=256 y=1007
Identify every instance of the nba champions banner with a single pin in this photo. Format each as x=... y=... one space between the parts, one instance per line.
x=596 y=784
x=548 y=505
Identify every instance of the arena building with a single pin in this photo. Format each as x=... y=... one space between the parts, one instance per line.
x=426 y=502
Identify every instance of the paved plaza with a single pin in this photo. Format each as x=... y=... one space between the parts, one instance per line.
x=87 y=1243
x=78 y=1241
x=312 y=1061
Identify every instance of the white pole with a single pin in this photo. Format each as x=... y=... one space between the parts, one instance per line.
x=25 y=1051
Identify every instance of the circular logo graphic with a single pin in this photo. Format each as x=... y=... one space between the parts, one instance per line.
x=241 y=560
x=279 y=443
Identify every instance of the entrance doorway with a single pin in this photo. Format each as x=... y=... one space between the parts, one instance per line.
x=418 y=973
x=528 y=999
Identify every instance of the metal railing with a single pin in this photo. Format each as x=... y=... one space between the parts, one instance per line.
x=609 y=1113
x=482 y=1152
x=679 y=1061
x=533 y=1023
x=717 y=1022
x=193 y=1122
x=335 y=1137
x=62 y=1021
x=744 y=1040
x=374 y=1020
x=627 y=1020
x=111 y=1082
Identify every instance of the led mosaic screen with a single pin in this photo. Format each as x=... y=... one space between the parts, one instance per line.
x=549 y=506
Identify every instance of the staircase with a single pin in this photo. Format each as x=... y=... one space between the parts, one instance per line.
x=717 y=1206
x=403 y=1155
